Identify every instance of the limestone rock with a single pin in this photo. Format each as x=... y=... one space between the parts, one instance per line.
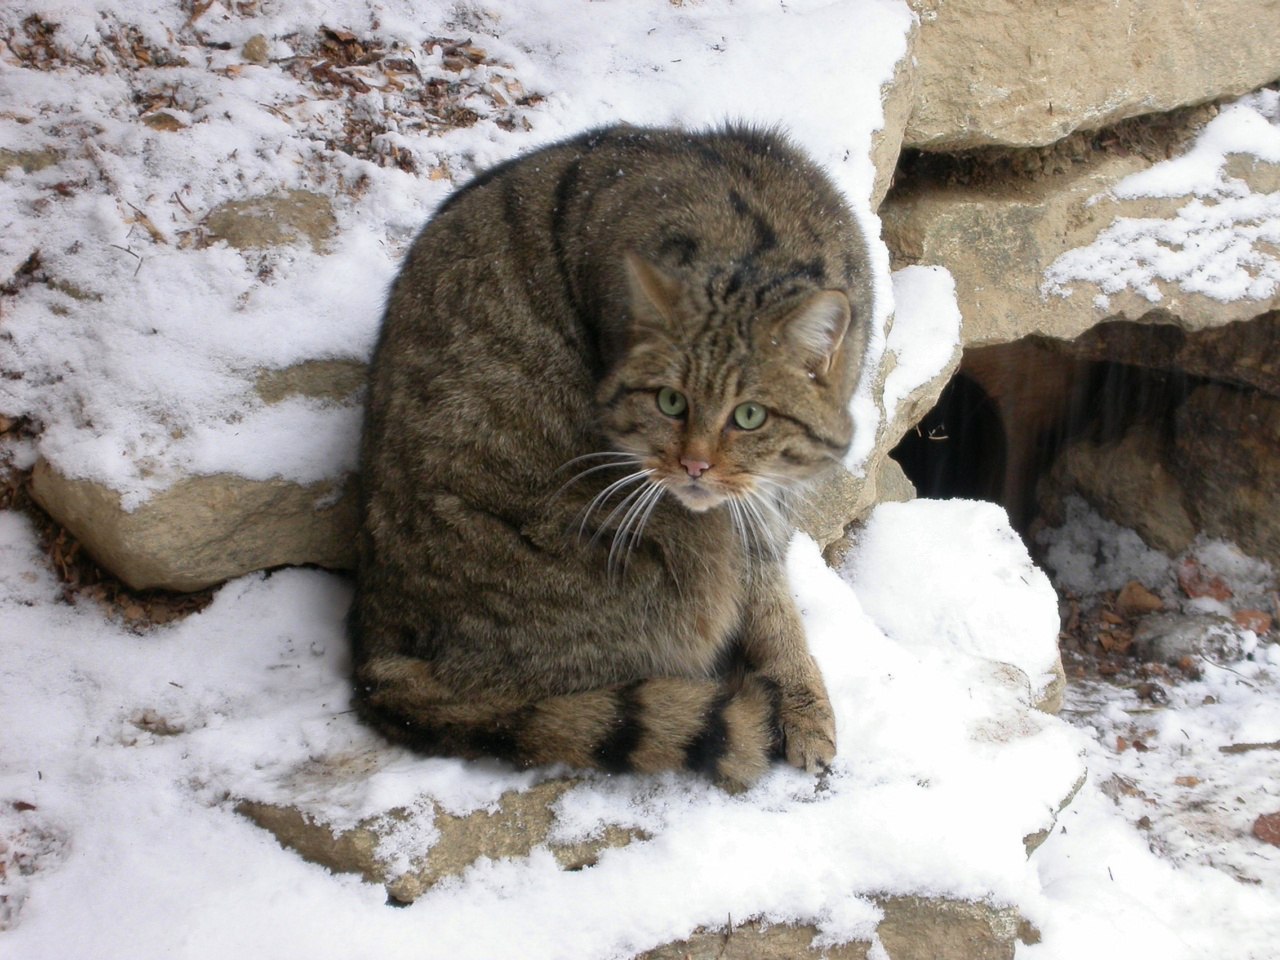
x=1174 y=637
x=1128 y=481
x=998 y=242
x=335 y=380
x=757 y=941
x=839 y=498
x=913 y=928
x=832 y=501
x=1025 y=74
x=916 y=928
x=521 y=822
x=897 y=99
x=1227 y=458
x=1214 y=468
x=294 y=216
x=205 y=529
x=1243 y=354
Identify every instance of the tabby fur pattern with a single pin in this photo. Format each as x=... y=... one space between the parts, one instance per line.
x=606 y=370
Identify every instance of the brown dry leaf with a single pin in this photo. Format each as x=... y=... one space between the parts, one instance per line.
x=1267 y=828
x=1115 y=641
x=1187 y=781
x=1135 y=600
x=1196 y=582
x=1259 y=621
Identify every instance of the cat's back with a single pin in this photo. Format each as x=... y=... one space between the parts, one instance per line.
x=552 y=227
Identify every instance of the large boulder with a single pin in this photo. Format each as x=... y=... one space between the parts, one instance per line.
x=1008 y=72
x=205 y=529
x=1039 y=250
x=1227 y=457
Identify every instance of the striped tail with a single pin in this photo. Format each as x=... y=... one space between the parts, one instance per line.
x=729 y=733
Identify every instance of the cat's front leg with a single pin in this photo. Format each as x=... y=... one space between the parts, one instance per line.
x=774 y=644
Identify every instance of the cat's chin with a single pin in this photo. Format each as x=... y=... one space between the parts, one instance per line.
x=697 y=498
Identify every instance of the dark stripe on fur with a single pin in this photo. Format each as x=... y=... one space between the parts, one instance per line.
x=565 y=189
x=703 y=753
x=766 y=237
x=500 y=740
x=814 y=436
x=614 y=753
x=680 y=247
x=814 y=270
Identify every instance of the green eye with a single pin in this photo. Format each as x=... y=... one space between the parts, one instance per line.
x=672 y=402
x=749 y=415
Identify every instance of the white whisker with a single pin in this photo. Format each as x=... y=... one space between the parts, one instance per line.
x=586 y=473
x=628 y=532
x=599 y=499
x=617 y=454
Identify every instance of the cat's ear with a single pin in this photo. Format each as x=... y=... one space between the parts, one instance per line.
x=653 y=296
x=817 y=326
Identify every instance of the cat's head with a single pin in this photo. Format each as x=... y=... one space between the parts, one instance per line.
x=723 y=403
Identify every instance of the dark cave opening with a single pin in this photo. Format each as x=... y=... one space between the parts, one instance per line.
x=1011 y=410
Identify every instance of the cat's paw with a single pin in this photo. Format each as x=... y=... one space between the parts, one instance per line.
x=808 y=729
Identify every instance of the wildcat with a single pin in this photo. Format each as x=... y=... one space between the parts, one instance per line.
x=605 y=369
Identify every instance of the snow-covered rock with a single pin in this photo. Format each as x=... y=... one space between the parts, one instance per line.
x=254 y=176
x=1105 y=235
x=934 y=677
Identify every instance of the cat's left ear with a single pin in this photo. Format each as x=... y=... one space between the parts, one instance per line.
x=817 y=327
x=653 y=296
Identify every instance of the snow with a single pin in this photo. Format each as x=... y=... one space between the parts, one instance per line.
x=1088 y=555
x=140 y=356
x=124 y=752
x=922 y=345
x=128 y=750
x=1220 y=243
x=133 y=747
x=928 y=543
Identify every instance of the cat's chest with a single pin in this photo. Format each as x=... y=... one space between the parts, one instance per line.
x=706 y=574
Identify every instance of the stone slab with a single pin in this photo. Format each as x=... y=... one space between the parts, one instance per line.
x=1018 y=73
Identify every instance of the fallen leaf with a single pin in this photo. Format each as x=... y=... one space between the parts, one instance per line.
x=1259 y=621
x=1196 y=582
x=1134 y=600
x=1187 y=781
x=1267 y=828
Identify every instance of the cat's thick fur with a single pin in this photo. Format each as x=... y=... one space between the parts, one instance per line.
x=631 y=300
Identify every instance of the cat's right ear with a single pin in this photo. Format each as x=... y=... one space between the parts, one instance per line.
x=653 y=297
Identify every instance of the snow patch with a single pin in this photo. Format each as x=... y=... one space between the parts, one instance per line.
x=1221 y=243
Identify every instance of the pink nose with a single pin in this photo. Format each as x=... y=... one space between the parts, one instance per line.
x=694 y=467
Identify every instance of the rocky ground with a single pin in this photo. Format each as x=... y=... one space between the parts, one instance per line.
x=1170 y=668
x=1165 y=673
x=1158 y=676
